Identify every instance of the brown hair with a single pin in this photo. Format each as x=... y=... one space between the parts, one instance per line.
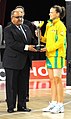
x=60 y=10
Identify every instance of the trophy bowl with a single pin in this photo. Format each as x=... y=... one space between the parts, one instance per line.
x=38 y=25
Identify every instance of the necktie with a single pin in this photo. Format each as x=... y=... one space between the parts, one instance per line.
x=22 y=30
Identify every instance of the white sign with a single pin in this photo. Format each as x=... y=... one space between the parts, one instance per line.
x=67 y=0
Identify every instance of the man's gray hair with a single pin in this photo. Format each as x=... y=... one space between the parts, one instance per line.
x=12 y=13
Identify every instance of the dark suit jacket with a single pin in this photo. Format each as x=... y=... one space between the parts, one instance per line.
x=30 y=25
x=15 y=56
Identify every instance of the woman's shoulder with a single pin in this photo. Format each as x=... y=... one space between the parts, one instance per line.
x=61 y=25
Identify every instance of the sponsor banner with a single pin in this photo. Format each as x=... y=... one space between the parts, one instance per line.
x=39 y=71
x=38 y=76
x=44 y=85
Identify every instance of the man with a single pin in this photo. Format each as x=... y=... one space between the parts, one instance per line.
x=32 y=28
x=17 y=61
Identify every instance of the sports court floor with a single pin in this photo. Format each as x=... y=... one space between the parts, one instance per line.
x=39 y=98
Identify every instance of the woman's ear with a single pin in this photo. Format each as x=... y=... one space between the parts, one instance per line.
x=58 y=14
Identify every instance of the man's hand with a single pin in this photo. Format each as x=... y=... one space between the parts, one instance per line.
x=31 y=48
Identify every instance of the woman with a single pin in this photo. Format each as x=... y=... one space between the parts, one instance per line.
x=55 y=39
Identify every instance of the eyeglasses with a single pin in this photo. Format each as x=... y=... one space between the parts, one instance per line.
x=19 y=17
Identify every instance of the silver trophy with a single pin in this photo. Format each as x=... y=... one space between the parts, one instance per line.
x=38 y=25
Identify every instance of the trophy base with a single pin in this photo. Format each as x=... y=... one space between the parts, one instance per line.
x=38 y=47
